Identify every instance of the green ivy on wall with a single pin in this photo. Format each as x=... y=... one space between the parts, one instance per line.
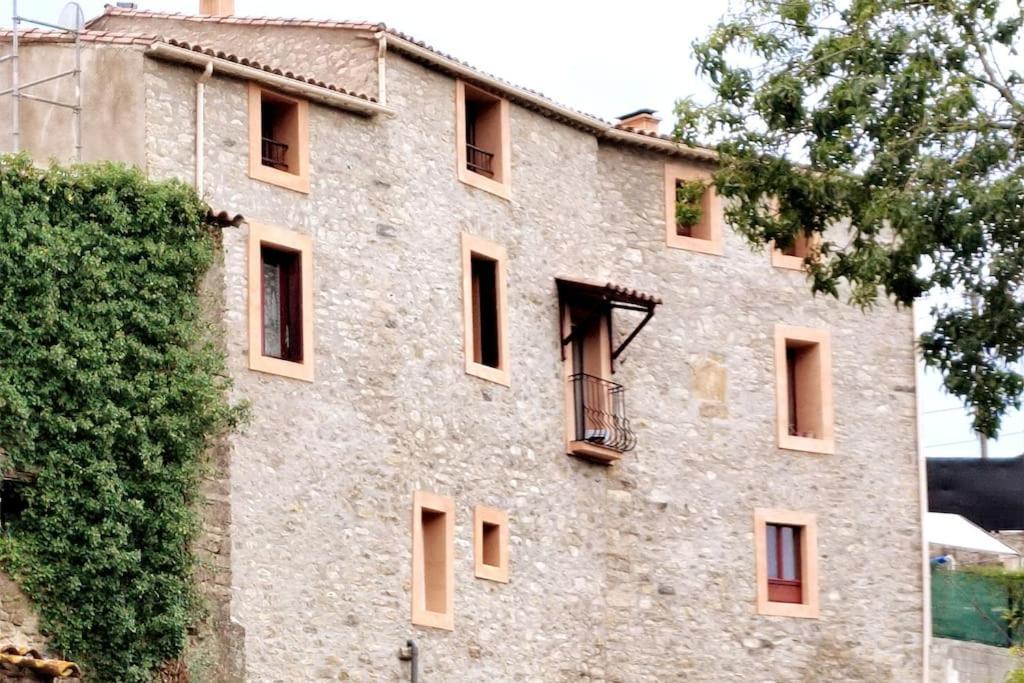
x=111 y=389
x=689 y=199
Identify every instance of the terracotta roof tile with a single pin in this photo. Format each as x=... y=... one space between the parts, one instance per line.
x=144 y=39
x=41 y=35
x=22 y=659
x=110 y=10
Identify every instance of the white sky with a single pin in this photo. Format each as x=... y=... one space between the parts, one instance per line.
x=604 y=60
x=601 y=60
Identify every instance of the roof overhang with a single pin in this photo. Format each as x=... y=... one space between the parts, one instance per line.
x=280 y=82
x=953 y=531
x=602 y=299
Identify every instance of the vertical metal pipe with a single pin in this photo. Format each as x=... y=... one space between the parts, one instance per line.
x=77 y=111
x=15 y=93
x=201 y=126
x=414 y=661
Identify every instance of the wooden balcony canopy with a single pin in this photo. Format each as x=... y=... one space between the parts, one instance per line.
x=601 y=300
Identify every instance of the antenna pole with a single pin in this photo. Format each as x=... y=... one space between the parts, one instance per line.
x=76 y=112
x=16 y=92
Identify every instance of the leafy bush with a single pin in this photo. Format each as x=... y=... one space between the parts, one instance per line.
x=111 y=389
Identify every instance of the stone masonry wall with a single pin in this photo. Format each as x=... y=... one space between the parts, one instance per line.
x=340 y=57
x=19 y=623
x=639 y=572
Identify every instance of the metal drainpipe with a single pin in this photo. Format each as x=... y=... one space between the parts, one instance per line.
x=410 y=653
x=201 y=126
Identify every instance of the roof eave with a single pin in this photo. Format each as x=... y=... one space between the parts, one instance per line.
x=291 y=86
x=600 y=128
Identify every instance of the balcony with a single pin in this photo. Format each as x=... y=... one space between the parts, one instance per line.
x=275 y=154
x=479 y=161
x=602 y=430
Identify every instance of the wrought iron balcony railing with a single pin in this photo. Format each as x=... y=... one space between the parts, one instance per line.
x=275 y=154
x=479 y=161
x=600 y=412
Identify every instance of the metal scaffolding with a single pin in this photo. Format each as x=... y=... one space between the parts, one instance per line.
x=17 y=89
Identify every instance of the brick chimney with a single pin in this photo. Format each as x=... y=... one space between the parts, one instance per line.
x=642 y=120
x=217 y=8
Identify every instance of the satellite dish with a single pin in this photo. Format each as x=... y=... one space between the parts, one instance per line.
x=72 y=17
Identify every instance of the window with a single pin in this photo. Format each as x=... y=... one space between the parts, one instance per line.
x=804 y=389
x=280 y=302
x=787 y=563
x=278 y=139
x=793 y=256
x=12 y=496
x=693 y=214
x=784 y=563
x=484 y=309
x=483 y=139
x=433 y=571
x=490 y=543
x=597 y=426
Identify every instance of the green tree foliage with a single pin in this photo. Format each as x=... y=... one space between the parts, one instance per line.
x=689 y=196
x=897 y=123
x=110 y=391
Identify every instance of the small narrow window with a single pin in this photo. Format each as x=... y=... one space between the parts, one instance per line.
x=693 y=209
x=693 y=219
x=280 y=130
x=793 y=256
x=784 y=563
x=483 y=139
x=787 y=563
x=486 y=347
x=484 y=306
x=490 y=541
x=12 y=496
x=804 y=392
x=433 y=561
x=282 y=303
x=278 y=139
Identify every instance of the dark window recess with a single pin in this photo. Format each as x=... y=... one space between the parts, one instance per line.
x=12 y=500
x=800 y=246
x=803 y=389
x=282 y=303
x=492 y=544
x=784 y=580
x=483 y=133
x=435 y=561
x=486 y=335
x=791 y=361
x=279 y=129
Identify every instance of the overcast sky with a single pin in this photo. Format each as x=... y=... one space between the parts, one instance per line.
x=602 y=60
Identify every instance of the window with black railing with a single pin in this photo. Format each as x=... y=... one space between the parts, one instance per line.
x=483 y=132
x=279 y=132
x=600 y=413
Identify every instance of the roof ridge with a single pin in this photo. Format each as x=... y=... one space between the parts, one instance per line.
x=111 y=10
x=537 y=100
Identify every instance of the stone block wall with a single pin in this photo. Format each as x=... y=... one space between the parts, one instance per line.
x=957 y=661
x=639 y=572
x=19 y=624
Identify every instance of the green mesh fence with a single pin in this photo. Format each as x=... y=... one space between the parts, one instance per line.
x=968 y=606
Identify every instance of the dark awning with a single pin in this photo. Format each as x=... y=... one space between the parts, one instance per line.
x=602 y=298
x=987 y=492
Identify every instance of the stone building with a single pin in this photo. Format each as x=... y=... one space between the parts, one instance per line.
x=505 y=401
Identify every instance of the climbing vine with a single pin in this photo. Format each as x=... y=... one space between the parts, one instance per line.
x=689 y=198
x=111 y=389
